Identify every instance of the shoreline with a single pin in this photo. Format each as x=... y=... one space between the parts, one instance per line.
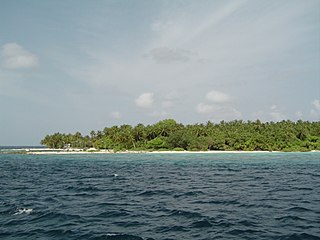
x=82 y=152
x=50 y=151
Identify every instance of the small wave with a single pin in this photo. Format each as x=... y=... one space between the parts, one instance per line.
x=289 y=217
x=172 y=229
x=222 y=202
x=314 y=175
x=185 y=214
x=248 y=223
x=51 y=200
x=247 y=205
x=242 y=231
x=193 y=193
x=23 y=210
x=57 y=216
x=154 y=192
x=233 y=170
x=303 y=188
x=113 y=236
x=83 y=189
x=223 y=223
x=129 y=224
x=201 y=224
x=84 y=194
x=106 y=204
x=188 y=194
x=4 y=234
x=298 y=209
x=301 y=236
x=111 y=214
x=59 y=232
x=279 y=189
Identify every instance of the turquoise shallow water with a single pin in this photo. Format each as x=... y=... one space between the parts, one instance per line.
x=160 y=196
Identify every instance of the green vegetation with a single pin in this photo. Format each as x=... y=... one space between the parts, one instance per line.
x=170 y=135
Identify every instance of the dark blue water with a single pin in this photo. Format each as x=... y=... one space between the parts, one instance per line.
x=149 y=196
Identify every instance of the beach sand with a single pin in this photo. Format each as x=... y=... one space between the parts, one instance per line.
x=80 y=151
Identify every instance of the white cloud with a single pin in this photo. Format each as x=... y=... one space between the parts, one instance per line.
x=316 y=104
x=217 y=97
x=219 y=112
x=145 y=100
x=204 y=108
x=315 y=111
x=15 y=56
x=219 y=107
x=276 y=114
x=227 y=113
x=115 y=115
x=158 y=114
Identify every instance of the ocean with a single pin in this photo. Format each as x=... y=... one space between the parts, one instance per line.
x=160 y=196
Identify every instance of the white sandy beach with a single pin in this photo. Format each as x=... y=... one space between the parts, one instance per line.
x=50 y=151
x=64 y=152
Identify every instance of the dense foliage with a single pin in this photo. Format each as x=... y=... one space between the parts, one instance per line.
x=170 y=135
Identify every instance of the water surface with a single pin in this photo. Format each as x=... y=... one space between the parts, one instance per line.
x=160 y=196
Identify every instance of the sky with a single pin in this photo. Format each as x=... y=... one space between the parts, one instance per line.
x=80 y=65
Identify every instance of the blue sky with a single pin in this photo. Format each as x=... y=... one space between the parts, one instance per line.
x=77 y=65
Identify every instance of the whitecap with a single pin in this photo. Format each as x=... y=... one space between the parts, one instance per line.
x=23 y=210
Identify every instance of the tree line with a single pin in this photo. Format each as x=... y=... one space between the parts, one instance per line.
x=170 y=135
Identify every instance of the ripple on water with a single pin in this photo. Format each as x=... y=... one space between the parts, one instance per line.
x=202 y=224
x=185 y=214
x=167 y=197
x=113 y=236
x=300 y=236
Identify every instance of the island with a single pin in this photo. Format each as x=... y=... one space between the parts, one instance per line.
x=168 y=135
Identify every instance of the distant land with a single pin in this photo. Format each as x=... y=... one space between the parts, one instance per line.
x=168 y=135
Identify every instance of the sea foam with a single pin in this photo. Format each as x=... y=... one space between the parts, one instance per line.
x=23 y=210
